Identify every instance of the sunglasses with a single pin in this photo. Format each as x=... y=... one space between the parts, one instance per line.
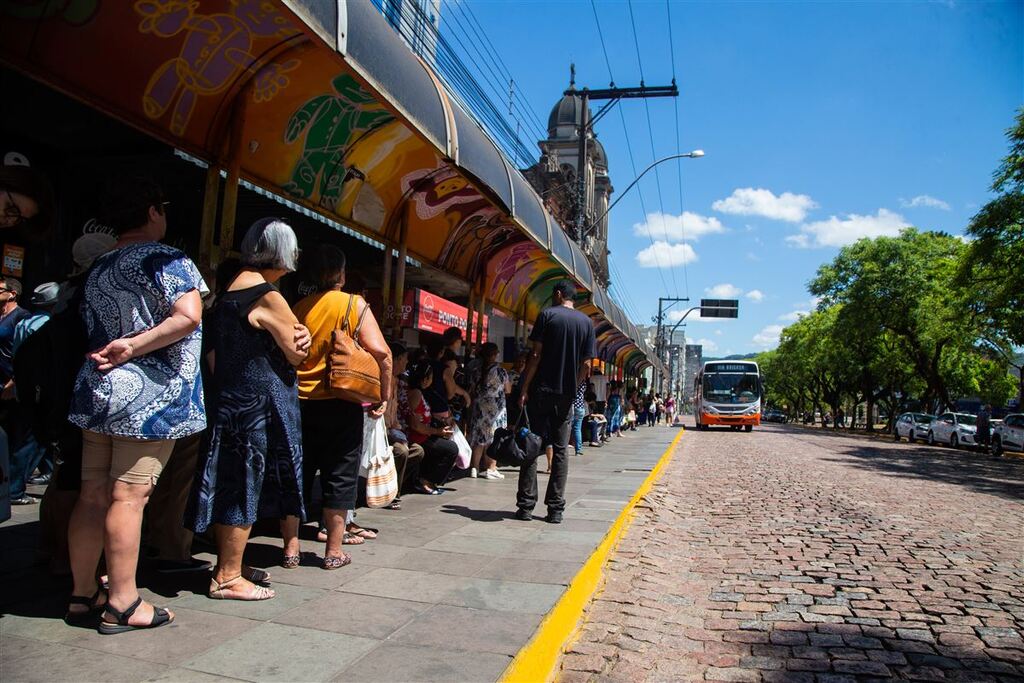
x=12 y=213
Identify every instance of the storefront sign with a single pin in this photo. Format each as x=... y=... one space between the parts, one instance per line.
x=14 y=260
x=434 y=314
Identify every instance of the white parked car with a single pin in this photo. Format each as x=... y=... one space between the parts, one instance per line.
x=1009 y=434
x=955 y=429
x=912 y=426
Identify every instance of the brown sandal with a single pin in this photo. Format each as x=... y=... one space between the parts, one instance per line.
x=333 y=562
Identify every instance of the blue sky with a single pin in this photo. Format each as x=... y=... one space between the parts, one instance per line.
x=821 y=122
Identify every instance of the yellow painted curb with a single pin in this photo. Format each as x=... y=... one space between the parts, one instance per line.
x=538 y=659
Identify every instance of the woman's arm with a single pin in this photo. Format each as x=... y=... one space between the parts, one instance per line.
x=372 y=339
x=271 y=313
x=415 y=419
x=452 y=389
x=185 y=316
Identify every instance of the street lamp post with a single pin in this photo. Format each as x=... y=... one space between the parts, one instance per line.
x=695 y=154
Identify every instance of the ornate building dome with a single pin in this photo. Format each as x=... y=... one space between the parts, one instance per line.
x=564 y=120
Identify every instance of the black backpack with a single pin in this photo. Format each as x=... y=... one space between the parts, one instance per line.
x=45 y=368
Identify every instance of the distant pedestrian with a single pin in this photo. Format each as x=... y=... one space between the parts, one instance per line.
x=984 y=427
x=840 y=419
x=562 y=343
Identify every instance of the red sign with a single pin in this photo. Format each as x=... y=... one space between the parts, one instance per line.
x=434 y=314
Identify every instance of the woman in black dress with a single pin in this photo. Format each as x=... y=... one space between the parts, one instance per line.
x=251 y=465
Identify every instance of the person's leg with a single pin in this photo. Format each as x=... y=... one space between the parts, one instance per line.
x=85 y=527
x=173 y=542
x=446 y=453
x=577 y=429
x=413 y=462
x=558 y=424
x=24 y=458
x=290 y=540
x=526 y=495
x=135 y=468
x=474 y=462
x=400 y=455
x=227 y=582
x=339 y=473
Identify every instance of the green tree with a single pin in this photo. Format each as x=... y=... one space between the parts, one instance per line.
x=993 y=267
x=903 y=286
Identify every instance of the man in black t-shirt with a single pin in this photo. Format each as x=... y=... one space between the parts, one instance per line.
x=563 y=342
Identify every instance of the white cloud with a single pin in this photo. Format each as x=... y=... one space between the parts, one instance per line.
x=695 y=317
x=838 y=232
x=723 y=291
x=665 y=255
x=793 y=316
x=755 y=295
x=682 y=228
x=768 y=337
x=760 y=202
x=751 y=256
x=923 y=200
x=710 y=346
x=718 y=333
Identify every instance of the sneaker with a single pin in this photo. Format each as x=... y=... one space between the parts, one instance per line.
x=499 y=474
x=595 y=444
x=179 y=566
x=491 y=474
x=24 y=500
x=472 y=473
x=553 y=517
x=41 y=480
x=524 y=515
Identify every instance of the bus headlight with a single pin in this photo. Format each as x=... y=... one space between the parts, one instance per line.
x=750 y=411
x=710 y=410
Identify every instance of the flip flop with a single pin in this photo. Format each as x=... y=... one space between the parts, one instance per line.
x=255 y=575
x=362 y=531
x=352 y=539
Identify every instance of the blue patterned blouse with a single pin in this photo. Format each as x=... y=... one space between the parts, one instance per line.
x=158 y=395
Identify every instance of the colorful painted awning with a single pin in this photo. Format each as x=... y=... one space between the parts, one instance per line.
x=323 y=103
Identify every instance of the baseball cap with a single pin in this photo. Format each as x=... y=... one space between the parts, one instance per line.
x=88 y=248
x=45 y=295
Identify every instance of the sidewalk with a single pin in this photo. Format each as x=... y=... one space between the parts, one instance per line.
x=451 y=590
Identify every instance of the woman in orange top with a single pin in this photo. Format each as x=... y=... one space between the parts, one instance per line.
x=332 y=428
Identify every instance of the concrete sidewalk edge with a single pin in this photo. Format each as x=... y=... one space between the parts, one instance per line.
x=538 y=659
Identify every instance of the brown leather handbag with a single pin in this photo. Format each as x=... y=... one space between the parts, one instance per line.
x=352 y=373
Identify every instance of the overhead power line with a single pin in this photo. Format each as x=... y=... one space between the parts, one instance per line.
x=679 y=162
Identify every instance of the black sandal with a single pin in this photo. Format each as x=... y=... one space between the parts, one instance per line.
x=79 y=618
x=160 y=617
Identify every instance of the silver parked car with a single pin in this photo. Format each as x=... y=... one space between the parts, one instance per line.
x=912 y=426
x=1008 y=435
x=955 y=429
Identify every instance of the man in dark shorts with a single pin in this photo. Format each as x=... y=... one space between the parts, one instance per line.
x=563 y=342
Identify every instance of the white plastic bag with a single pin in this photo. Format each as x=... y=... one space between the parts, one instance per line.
x=465 y=455
x=377 y=464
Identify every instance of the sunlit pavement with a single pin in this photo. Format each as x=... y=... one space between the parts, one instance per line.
x=450 y=591
x=792 y=554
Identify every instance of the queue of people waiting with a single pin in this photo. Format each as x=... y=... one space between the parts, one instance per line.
x=210 y=408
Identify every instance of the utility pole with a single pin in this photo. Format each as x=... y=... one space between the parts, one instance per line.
x=659 y=344
x=612 y=94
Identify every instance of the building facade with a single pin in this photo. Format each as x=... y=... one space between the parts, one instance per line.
x=693 y=360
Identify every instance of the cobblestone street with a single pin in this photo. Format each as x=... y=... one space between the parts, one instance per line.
x=789 y=554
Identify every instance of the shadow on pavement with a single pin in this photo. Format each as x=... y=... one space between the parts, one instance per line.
x=1003 y=477
x=477 y=515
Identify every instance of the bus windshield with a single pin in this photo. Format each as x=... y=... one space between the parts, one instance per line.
x=730 y=387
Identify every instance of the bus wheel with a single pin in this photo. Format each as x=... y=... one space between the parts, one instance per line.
x=749 y=428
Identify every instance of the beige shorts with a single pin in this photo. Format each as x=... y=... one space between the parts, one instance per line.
x=133 y=461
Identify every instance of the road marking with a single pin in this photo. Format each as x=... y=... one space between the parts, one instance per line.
x=538 y=660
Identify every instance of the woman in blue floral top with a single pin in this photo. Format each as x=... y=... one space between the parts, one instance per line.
x=138 y=390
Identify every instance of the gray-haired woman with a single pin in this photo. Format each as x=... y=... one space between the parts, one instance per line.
x=251 y=465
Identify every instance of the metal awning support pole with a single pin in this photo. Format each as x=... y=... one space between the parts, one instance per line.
x=470 y=311
x=403 y=235
x=385 y=288
x=211 y=193
x=480 y=316
x=230 y=207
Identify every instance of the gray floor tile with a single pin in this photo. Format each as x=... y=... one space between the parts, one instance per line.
x=49 y=662
x=485 y=630
x=357 y=615
x=475 y=545
x=529 y=570
x=191 y=633
x=394 y=662
x=559 y=535
x=508 y=596
x=315 y=577
x=439 y=562
x=274 y=652
x=188 y=676
x=378 y=553
x=288 y=597
x=404 y=584
x=555 y=551
x=607 y=515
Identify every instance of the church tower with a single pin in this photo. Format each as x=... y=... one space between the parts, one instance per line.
x=555 y=179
